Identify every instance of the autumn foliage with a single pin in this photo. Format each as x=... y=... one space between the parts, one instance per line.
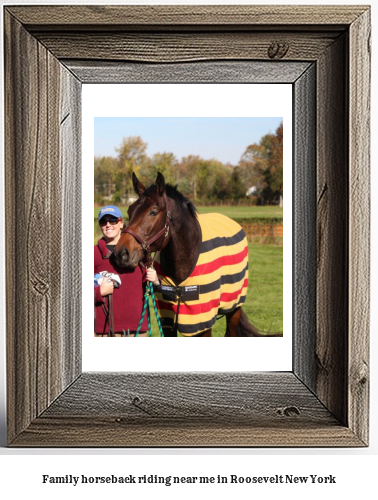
x=205 y=181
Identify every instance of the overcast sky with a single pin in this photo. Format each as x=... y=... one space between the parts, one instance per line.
x=224 y=139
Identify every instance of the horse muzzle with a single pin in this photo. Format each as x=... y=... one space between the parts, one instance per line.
x=124 y=259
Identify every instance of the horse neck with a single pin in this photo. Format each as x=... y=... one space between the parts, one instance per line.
x=180 y=255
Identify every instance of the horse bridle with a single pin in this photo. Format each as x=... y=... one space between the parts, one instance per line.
x=146 y=244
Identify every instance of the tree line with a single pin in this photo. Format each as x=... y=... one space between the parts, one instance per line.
x=256 y=179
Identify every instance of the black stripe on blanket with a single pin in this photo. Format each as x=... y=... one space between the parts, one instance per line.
x=226 y=279
x=193 y=329
x=207 y=246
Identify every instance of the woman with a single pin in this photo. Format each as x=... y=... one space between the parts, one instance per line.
x=126 y=301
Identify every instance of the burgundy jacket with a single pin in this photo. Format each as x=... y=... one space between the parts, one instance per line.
x=127 y=299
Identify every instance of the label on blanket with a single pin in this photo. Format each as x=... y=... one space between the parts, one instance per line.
x=190 y=293
x=169 y=293
x=187 y=293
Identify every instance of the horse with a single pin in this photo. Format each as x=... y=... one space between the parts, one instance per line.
x=164 y=222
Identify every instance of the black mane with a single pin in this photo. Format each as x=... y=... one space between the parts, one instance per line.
x=172 y=193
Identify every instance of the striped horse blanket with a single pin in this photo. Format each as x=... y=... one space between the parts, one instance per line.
x=217 y=284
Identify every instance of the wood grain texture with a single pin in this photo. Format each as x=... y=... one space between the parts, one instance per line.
x=71 y=234
x=199 y=72
x=304 y=227
x=35 y=330
x=190 y=396
x=185 y=15
x=32 y=187
x=324 y=402
x=359 y=226
x=332 y=230
x=100 y=432
x=180 y=47
x=186 y=410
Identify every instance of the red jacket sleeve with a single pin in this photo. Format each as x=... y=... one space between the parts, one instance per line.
x=98 y=298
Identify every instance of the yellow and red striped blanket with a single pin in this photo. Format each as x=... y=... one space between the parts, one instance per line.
x=217 y=284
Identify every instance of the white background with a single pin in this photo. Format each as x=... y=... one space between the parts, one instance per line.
x=355 y=469
x=179 y=354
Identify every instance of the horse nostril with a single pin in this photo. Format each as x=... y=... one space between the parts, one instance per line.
x=123 y=255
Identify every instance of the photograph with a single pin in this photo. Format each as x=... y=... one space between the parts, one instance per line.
x=188 y=217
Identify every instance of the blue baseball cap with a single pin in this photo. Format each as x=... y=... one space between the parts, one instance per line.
x=110 y=210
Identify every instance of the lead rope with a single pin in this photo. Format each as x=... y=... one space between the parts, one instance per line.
x=109 y=318
x=146 y=306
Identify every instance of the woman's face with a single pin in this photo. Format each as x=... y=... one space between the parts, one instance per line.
x=111 y=228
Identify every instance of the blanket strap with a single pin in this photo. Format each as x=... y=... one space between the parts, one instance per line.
x=178 y=310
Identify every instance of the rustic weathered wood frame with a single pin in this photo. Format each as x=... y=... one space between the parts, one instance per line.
x=49 y=52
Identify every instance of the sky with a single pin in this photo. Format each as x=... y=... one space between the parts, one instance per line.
x=224 y=139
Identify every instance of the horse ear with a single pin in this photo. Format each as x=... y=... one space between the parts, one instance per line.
x=160 y=184
x=139 y=188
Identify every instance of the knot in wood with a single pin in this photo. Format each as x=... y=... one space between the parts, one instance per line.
x=361 y=375
x=141 y=405
x=278 y=50
x=41 y=287
x=288 y=411
x=136 y=400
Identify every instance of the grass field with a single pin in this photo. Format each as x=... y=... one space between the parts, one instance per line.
x=244 y=212
x=264 y=304
x=233 y=212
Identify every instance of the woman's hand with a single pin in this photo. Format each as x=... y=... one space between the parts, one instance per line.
x=152 y=276
x=106 y=287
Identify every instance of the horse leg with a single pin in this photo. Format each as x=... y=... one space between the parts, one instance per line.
x=232 y=321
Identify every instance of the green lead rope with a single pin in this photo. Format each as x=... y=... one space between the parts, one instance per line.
x=146 y=306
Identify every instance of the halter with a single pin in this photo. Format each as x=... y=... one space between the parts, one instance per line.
x=146 y=244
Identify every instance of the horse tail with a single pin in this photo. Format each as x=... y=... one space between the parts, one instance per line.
x=246 y=329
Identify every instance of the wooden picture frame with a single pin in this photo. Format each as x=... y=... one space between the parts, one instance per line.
x=324 y=52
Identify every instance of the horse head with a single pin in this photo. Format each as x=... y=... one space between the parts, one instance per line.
x=148 y=227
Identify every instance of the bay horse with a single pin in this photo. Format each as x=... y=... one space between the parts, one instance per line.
x=164 y=221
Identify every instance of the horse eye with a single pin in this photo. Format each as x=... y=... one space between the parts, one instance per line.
x=153 y=212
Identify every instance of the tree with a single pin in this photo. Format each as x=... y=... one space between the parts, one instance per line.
x=131 y=158
x=105 y=169
x=165 y=163
x=261 y=165
x=213 y=181
x=273 y=174
x=237 y=186
x=187 y=172
x=249 y=169
x=204 y=181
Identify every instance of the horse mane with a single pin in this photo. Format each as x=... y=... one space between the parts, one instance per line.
x=172 y=192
